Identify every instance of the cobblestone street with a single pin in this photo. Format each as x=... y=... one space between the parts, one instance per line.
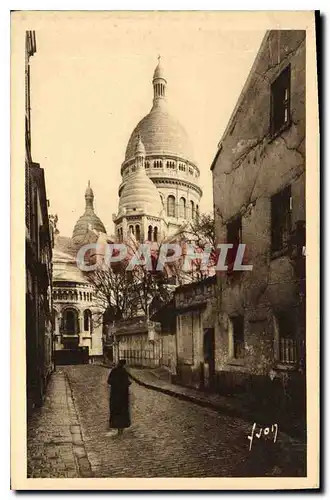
x=168 y=437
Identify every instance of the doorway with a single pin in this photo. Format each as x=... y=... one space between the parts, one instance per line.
x=209 y=354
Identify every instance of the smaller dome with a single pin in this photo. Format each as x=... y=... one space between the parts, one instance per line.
x=141 y=195
x=89 y=221
x=159 y=71
x=140 y=149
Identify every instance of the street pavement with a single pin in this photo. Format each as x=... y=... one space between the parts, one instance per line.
x=168 y=437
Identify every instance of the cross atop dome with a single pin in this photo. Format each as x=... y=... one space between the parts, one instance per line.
x=159 y=81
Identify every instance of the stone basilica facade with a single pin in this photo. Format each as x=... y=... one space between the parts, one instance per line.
x=76 y=315
x=160 y=191
x=158 y=196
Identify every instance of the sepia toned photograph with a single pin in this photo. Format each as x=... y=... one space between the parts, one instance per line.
x=165 y=327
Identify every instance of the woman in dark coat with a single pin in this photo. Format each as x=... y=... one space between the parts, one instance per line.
x=119 y=383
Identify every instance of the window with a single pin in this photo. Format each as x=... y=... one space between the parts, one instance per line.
x=192 y=206
x=137 y=232
x=234 y=231
x=147 y=164
x=280 y=102
x=237 y=337
x=155 y=234
x=87 y=320
x=285 y=337
x=234 y=236
x=182 y=208
x=71 y=323
x=171 y=206
x=131 y=229
x=280 y=219
x=149 y=233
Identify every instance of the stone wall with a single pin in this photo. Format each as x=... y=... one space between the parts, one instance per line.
x=251 y=165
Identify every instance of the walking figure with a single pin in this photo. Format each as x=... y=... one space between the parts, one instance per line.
x=119 y=383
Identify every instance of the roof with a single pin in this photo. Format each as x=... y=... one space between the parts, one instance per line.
x=64 y=245
x=159 y=71
x=211 y=280
x=161 y=134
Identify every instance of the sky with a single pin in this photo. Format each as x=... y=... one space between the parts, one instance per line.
x=91 y=83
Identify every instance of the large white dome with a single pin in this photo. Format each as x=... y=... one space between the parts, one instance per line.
x=161 y=134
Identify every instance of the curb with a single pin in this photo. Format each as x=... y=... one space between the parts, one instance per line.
x=78 y=443
x=224 y=410
x=186 y=397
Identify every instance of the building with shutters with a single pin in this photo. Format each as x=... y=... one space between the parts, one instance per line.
x=259 y=199
x=38 y=258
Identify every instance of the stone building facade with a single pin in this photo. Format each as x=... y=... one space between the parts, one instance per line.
x=38 y=247
x=259 y=200
x=195 y=311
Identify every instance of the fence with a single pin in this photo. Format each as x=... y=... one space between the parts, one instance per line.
x=139 y=358
x=288 y=350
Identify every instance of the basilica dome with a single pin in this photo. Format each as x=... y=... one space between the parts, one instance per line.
x=160 y=132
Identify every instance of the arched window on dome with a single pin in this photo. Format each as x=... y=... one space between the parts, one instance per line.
x=137 y=232
x=155 y=233
x=171 y=206
x=131 y=230
x=150 y=233
x=121 y=234
x=197 y=211
x=182 y=208
x=192 y=205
